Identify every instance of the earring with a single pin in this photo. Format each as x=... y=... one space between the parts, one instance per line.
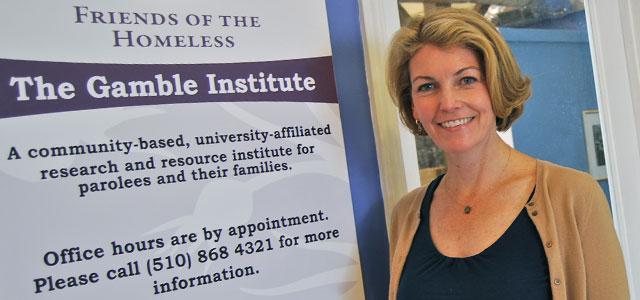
x=420 y=128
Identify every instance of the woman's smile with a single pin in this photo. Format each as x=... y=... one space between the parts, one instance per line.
x=456 y=122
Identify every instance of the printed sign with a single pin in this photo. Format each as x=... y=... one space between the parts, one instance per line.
x=187 y=149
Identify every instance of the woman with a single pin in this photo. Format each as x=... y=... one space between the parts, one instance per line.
x=500 y=224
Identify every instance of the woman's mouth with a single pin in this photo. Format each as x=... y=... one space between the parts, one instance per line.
x=456 y=123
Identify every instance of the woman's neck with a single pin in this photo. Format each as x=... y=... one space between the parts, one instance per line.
x=477 y=170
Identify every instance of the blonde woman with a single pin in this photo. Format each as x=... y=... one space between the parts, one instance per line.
x=499 y=224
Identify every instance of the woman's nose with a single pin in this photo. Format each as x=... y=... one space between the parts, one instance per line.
x=449 y=99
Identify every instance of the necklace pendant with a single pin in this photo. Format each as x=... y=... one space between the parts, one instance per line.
x=467 y=210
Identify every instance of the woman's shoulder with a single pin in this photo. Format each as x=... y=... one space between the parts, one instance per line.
x=406 y=214
x=567 y=183
x=411 y=201
x=551 y=173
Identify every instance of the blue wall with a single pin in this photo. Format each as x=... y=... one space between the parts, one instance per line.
x=559 y=65
x=349 y=68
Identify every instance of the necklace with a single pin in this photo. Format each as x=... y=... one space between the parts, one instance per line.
x=468 y=207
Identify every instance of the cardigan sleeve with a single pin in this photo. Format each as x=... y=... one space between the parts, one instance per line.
x=604 y=263
x=403 y=214
x=404 y=220
x=393 y=233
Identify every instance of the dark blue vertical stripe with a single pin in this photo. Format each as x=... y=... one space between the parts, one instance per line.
x=349 y=68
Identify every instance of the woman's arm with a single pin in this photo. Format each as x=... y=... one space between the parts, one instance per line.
x=604 y=263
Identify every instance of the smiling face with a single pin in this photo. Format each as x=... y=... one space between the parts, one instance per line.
x=450 y=98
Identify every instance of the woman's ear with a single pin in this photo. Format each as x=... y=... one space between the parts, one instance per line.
x=413 y=112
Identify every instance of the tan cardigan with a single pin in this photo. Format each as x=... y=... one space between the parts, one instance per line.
x=573 y=219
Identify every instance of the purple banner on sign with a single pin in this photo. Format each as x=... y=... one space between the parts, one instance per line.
x=33 y=87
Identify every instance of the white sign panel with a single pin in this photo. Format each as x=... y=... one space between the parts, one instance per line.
x=174 y=149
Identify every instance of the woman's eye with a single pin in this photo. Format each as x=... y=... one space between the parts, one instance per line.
x=468 y=80
x=425 y=87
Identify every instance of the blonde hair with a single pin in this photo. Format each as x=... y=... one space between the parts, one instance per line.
x=508 y=88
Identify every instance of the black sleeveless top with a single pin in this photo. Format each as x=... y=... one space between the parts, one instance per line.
x=514 y=267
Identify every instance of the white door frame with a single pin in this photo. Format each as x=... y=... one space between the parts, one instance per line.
x=615 y=52
x=614 y=36
x=395 y=145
